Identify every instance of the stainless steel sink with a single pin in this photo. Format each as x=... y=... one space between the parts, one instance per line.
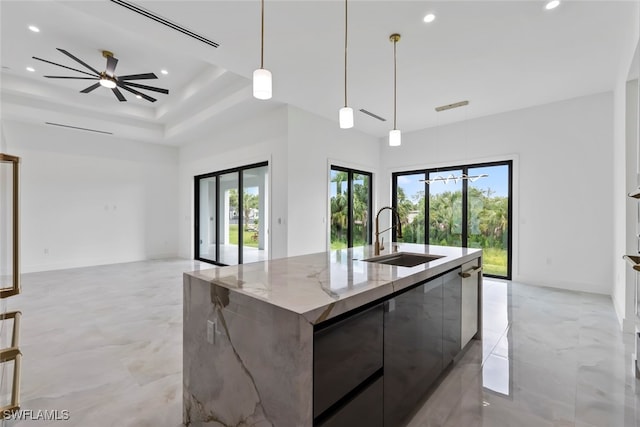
x=404 y=259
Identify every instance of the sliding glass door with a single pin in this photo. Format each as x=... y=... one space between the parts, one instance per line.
x=445 y=209
x=489 y=217
x=231 y=215
x=206 y=233
x=254 y=214
x=350 y=201
x=468 y=205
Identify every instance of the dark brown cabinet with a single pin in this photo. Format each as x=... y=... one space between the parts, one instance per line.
x=365 y=409
x=345 y=355
x=451 y=317
x=412 y=349
x=375 y=367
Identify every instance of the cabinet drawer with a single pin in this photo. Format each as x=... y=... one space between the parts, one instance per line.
x=344 y=355
x=364 y=410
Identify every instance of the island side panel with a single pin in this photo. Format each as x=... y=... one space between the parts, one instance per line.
x=258 y=371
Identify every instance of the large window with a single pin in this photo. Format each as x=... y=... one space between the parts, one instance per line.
x=231 y=215
x=350 y=200
x=439 y=207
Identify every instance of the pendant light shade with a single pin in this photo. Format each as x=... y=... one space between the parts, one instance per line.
x=395 y=138
x=262 y=84
x=346 y=113
x=262 y=81
x=346 y=117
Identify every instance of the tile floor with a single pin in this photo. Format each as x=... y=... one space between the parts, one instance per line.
x=548 y=358
x=105 y=343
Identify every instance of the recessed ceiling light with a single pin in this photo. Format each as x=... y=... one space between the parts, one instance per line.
x=552 y=4
x=165 y=72
x=138 y=96
x=30 y=69
x=34 y=28
x=429 y=17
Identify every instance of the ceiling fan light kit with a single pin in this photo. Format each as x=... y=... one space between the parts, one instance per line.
x=107 y=81
x=108 y=78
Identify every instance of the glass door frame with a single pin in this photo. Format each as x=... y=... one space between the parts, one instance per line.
x=196 y=222
x=465 y=203
x=350 y=172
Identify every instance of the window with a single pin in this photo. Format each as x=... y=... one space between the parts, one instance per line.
x=231 y=215
x=450 y=211
x=350 y=200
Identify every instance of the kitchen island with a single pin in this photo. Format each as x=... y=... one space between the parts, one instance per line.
x=325 y=339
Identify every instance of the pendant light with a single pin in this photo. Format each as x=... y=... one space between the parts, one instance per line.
x=395 y=137
x=261 y=77
x=346 y=113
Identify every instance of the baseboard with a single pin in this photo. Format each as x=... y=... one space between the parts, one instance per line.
x=91 y=262
x=568 y=286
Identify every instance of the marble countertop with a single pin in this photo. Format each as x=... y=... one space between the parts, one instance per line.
x=323 y=285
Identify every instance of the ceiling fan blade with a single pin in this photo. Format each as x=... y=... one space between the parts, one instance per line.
x=138 y=76
x=139 y=86
x=90 y=88
x=111 y=65
x=135 y=92
x=63 y=66
x=118 y=94
x=66 y=77
x=80 y=61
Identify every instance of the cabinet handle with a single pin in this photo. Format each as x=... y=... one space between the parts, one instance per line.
x=469 y=272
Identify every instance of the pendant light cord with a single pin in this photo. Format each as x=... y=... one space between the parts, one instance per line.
x=262 y=36
x=346 y=23
x=394 y=83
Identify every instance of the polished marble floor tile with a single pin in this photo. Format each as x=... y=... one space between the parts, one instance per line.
x=105 y=343
x=560 y=360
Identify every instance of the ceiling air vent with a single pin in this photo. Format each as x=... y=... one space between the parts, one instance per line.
x=163 y=21
x=78 y=128
x=450 y=106
x=370 y=114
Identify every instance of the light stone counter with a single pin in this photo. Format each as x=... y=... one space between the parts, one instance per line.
x=248 y=329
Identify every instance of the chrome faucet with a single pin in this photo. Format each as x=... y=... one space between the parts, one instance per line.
x=377 y=246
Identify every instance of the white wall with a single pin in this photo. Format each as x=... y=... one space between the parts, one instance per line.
x=626 y=172
x=299 y=147
x=257 y=139
x=314 y=143
x=563 y=219
x=89 y=199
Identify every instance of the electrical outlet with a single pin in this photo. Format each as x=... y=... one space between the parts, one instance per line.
x=210 y=331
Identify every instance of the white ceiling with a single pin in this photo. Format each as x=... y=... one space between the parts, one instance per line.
x=499 y=55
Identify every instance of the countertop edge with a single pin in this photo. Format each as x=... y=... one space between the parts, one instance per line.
x=318 y=312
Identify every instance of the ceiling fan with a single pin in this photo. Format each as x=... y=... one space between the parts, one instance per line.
x=108 y=78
